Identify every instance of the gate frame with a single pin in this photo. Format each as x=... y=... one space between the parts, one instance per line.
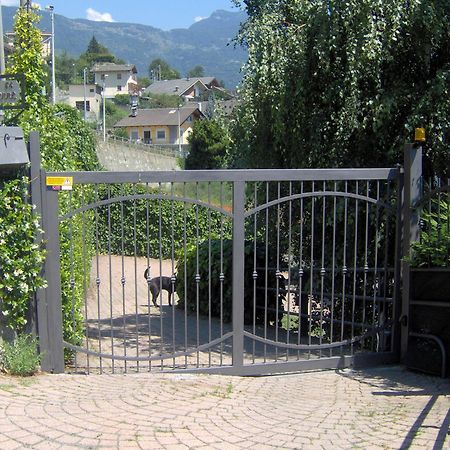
x=48 y=301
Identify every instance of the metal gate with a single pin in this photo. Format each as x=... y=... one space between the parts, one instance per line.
x=271 y=270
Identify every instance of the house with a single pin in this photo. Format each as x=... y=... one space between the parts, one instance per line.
x=161 y=125
x=117 y=78
x=93 y=99
x=46 y=43
x=186 y=88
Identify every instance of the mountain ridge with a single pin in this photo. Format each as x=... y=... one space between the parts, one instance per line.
x=208 y=43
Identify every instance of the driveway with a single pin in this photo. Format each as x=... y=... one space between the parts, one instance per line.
x=386 y=408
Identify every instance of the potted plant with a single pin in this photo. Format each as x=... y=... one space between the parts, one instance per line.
x=430 y=261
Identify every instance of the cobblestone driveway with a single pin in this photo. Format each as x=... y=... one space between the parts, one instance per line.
x=387 y=408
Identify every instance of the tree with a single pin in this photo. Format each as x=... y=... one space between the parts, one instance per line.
x=197 y=71
x=344 y=83
x=96 y=52
x=208 y=145
x=161 y=70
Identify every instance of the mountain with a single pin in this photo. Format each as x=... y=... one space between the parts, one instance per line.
x=208 y=43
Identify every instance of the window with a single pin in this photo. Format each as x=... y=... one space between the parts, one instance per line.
x=189 y=119
x=80 y=105
x=161 y=135
x=119 y=76
x=134 y=135
x=147 y=137
x=91 y=90
x=119 y=88
x=103 y=77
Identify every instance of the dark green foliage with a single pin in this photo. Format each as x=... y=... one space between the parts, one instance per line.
x=208 y=145
x=197 y=71
x=160 y=101
x=344 y=83
x=433 y=248
x=159 y=223
x=216 y=255
x=161 y=70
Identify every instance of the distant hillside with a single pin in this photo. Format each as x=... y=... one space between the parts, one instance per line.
x=207 y=43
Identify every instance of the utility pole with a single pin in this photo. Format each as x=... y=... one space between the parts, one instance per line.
x=2 y=46
x=84 y=83
x=52 y=14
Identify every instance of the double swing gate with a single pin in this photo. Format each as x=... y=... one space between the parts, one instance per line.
x=259 y=271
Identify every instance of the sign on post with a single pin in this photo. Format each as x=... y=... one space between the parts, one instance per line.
x=12 y=91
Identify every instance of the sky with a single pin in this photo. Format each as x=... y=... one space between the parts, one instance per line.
x=164 y=14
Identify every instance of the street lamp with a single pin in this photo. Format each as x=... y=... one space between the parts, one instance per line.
x=84 y=84
x=104 y=117
x=52 y=15
x=179 y=130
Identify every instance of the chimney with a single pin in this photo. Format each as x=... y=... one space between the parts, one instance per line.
x=200 y=106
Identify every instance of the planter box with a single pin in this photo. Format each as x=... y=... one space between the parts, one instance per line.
x=430 y=284
x=429 y=314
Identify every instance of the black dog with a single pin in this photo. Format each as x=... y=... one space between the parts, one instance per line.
x=159 y=283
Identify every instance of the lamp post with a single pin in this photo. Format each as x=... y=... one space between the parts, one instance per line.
x=104 y=115
x=84 y=85
x=52 y=15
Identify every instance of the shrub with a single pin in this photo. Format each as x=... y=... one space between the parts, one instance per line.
x=140 y=219
x=20 y=357
x=209 y=254
x=433 y=249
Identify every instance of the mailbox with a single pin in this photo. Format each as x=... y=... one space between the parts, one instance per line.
x=13 y=151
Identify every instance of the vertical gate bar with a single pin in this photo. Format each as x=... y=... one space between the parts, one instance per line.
x=111 y=324
x=255 y=273
x=238 y=273
x=38 y=308
x=395 y=336
x=278 y=273
x=149 y=277
x=185 y=277
x=366 y=266
x=355 y=264
x=98 y=280
x=135 y=278
x=53 y=360
x=412 y=194
x=266 y=271
x=384 y=319
x=288 y=293
x=333 y=267
x=311 y=275
x=300 y=275
x=221 y=276
x=123 y=281
x=344 y=263
x=197 y=276
x=85 y=282
x=72 y=280
x=375 y=265
x=161 y=321
x=173 y=278
x=322 y=269
x=209 y=273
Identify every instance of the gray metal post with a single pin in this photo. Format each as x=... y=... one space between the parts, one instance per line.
x=54 y=354
x=38 y=308
x=412 y=194
x=238 y=273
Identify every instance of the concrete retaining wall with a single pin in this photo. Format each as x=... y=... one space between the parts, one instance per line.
x=117 y=156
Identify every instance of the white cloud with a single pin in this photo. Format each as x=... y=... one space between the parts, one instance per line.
x=92 y=14
x=199 y=18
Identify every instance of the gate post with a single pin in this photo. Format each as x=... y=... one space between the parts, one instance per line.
x=238 y=274
x=412 y=194
x=52 y=348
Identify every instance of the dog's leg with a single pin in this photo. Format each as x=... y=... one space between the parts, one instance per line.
x=155 y=294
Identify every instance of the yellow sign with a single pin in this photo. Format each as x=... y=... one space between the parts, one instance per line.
x=419 y=135
x=59 y=183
